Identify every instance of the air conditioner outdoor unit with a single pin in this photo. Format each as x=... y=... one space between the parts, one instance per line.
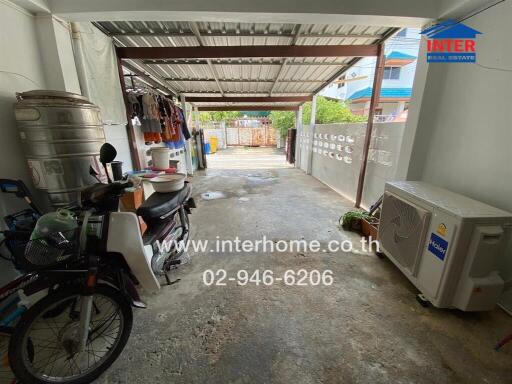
x=448 y=245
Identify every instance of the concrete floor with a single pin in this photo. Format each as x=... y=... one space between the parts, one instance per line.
x=365 y=328
x=248 y=158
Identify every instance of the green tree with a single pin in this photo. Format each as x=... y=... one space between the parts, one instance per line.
x=327 y=112
x=282 y=121
x=330 y=111
x=218 y=116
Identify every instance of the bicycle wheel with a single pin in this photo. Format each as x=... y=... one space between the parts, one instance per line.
x=44 y=346
x=6 y=375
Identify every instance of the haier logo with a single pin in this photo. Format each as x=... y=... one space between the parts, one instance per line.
x=438 y=246
x=451 y=42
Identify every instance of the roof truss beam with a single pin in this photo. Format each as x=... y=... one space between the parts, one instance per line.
x=250 y=108
x=240 y=94
x=243 y=80
x=249 y=99
x=296 y=33
x=199 y=38
x=231 y=62
x=146 y=78
x=243 y=35
x=246 y=51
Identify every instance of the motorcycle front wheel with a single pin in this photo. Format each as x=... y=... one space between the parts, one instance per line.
x=43 y=348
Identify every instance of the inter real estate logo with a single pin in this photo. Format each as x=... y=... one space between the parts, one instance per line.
x=451 y=42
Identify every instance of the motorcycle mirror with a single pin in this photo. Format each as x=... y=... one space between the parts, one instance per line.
x=107 y=153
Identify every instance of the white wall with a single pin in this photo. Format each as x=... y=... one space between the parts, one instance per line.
x=54 y=38
x=20 y=70
x=36 y=54
x=99 y=80
x=345 y=142
x=382 y=160
x=464 y=132
x=62 y=36
x=335 y=91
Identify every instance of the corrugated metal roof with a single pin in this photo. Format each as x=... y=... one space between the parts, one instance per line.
x=244 y=76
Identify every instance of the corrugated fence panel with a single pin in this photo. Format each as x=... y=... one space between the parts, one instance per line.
x=232 y=136
x=245 y=136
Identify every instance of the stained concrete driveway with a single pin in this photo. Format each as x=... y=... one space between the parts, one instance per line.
x=364 y=328
x=248 y=158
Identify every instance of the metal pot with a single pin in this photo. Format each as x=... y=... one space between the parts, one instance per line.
x=61 y=134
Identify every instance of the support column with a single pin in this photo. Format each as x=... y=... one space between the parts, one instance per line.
x=300 y=132
x=311 y=135
x=196 y=118
x=374 y=101
x=132 y=142
x=188 y=149
x=197 y=139
x=225 y=130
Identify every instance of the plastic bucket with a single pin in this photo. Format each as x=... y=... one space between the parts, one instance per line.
x=207 y=148
x=160 y=157
x=117 y=170
x=214 y=142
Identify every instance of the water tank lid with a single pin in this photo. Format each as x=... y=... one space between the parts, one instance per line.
x=50 y=94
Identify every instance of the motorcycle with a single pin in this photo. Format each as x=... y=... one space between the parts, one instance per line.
x=91 y=274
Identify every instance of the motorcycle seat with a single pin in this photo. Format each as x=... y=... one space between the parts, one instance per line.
x=159 y=204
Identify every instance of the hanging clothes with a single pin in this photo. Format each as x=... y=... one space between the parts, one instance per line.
x=173 y=122
x=168 y=134
x=181 y=141
x=151 y=118
x=134 y=106
x=150 y=122
x=178 y=121
x=184 y=127
x=160 y=119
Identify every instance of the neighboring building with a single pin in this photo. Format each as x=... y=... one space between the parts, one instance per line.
x=356 y=84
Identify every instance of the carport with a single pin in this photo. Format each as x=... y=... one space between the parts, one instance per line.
x=246 y=66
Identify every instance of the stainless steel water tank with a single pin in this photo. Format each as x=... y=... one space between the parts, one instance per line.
x=61 y=134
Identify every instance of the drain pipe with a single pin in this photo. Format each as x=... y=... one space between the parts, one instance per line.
x=76 y=44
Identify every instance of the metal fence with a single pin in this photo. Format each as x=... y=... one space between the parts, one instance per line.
x=251 y=137
x=249 y=132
